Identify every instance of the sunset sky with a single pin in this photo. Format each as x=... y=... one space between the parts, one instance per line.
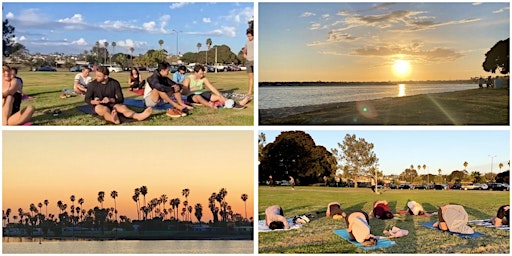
x=377 y=41
x=445 y=150
x=54 y=165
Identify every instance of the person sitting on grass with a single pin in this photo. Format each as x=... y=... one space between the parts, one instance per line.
x=12 y=114
x=134 y=80
x=160 y=88
x=274 y=218
x=381 y=210
x=414 y=208
x=358 y=227
x=179 y=75
x=334 y=210
x=453 y=218
x=105 y=97
x=194 y=86
x=502 y=217
x=81 y=81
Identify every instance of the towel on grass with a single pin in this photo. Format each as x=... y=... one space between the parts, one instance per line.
x=487 y=223
x=430 y=225
x=262 y=227
x=381 y=242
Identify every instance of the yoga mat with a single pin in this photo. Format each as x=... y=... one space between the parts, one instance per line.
x=474 y=235
x=88 y=110
x=141 y=104
x=138 y=92
x=381 y=242
x=262 y=227
x=487 y=223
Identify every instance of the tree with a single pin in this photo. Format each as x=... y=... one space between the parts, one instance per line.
x=72 y=199
x=356 y=157
x=114 y=194
x=198 y=46
x=144 y=190
x=46 y=202
x=244 y=198
x=477 y=177
x=199 y=212
x=213 y=208
x=500 y=166
x=106 y=52
x=261 y=144
x=294 y=153
x=131 y=54
x=208 y=45
x=101 y=198
x=7 y=38
x=160 y=42
x=465 y=165
x=114 y=44
x=498 y=57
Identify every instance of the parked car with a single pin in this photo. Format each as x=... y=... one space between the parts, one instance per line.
x=470 y=187
x=232 y=67
x=405 y=186
x=114 y=69
x=440 y=187
x=46 y=68
x=456 y=186
x=392 y=186
x=420 y=187
x=499 y=186
x=481 y=186
x=380 y=187
x=78 y=68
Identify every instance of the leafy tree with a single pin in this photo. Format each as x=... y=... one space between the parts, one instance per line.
x=477 y=177
x=356 y=157
x=498 y=57
x=457 y=176
x=294 y=153
x=7 y=38
x=261 y=144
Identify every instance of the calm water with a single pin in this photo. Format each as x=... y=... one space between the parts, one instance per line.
x=284 y=96
x=13 y=245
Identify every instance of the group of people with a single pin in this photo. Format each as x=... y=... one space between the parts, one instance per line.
x=12 y=94
x=450 y=218
x=498 y=82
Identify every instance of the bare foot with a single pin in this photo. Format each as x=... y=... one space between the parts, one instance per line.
x=115 y=118
x=245 y=100
x=143 y=115
x=187 y=107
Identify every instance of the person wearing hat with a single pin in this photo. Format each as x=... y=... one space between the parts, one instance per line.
x=453 y=218
x=415 y=208
x=502 y=217
x=334 y=210
x=358 y=228
x=274 y=218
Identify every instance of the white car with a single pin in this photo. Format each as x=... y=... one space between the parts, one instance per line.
x=114 y=69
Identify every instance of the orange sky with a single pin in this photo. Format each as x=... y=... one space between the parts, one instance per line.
x=54 y=165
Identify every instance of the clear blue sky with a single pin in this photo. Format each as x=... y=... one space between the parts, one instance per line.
x=75 y=27
x=445 y=150
x=362 y=41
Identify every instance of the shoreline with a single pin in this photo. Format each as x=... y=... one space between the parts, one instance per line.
x=480 y=106
x=141 y=238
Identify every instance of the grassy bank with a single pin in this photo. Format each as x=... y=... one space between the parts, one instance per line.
x=469 y=107
x=318 y=237
x=47 y=86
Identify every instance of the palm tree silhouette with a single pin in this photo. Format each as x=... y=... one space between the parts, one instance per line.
x=101 y=198
x=144 y=190
x=97 y=50
x=465 y=165
x=500 y=166
x=198 y=47
x=114 y=194
x=160 y=42
x=106 y=46
x=59 y=204
x=46 y=202
x=131 y=54
x=244 y=198
x=7 y=213
x=72 y=199
x=199 y=212
x=113 y=51
x=81 y=202
x=164 y=198
x=208 y=45
x=440 y=177
x=189 y=208
x=135 y=198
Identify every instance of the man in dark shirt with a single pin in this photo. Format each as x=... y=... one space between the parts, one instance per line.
x=160 y=88
x=106 y=98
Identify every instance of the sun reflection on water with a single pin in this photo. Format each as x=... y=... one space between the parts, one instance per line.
x=401 y=90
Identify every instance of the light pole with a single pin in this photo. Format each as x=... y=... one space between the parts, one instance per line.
x=492 y=160
x=177 y=41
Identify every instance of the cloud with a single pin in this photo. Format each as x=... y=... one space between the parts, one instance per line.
x=223 y=31
x=477 y=3
x=149 y=26
x=80 y=41
x=118 y=26
x=315 y=26
x=307 y=14
x=126 y=43
x=325 y=16
x=207 y=20
x=335 y=37
x=76 y=19
x=501 y=10
x=163 y=23
x=177 y=5
x=239 y=16
x=413 y=51
x=9 y=15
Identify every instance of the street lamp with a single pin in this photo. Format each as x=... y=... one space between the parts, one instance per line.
x=177 y=40
x=492 y=160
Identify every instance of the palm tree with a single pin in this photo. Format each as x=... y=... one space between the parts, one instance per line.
x=424 y=168
x=208 y=45
x=500 y=166
x=46 y=202
x=40 y=205
x=143 y=190
x=131 y=54
x=81 y=201
x=440 y=177
x=189 y=208
x=198 y=47
x=177 y=204
x=244 y=198
x=199 y=212
x=113 y=194
x=465 y=165
x=7 y=213
x=164 y=198
x=97 y=50
x=72 y=198
x=161 y=42
x=185 y=203
x=113 y=51
x=59 y=204
x=106 y=46
x=101 y=198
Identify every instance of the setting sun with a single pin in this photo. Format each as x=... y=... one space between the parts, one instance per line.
x=401 y=67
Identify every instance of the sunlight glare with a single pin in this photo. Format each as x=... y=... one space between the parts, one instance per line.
x=401 y=67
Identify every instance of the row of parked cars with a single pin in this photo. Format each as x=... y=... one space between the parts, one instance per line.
x=472 y=186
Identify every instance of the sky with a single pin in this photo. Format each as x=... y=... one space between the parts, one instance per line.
x=377 y=41
x=440 y=149
x=54 y=165
x=75 y=27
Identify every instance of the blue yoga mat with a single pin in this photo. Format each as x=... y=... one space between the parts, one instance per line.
x=88 y=110
x=381 y=242
x=140 y=104
x=430 y=225
x=262 y=227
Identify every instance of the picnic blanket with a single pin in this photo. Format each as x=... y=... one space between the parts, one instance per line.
x=382 y=242
x=430 y=225
x=487 y=223
x=262 y=227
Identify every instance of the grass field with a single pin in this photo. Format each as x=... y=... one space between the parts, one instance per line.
x=318 y=237
x=47 y=86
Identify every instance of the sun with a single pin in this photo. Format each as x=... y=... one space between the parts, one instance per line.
x=401 y=67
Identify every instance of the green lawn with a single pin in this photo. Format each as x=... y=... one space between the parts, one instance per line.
x=318 y=237
x=47 y=86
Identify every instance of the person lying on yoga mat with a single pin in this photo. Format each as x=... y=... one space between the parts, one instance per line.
x=453 y=218
x=81 y=81
x=159 y=88
x=274 y=218
x=415 y=208
x=334 y=210
x=358 y=227
x=381 y=210
x=502 y=217
x=12 y=114
x=194 y=86
x=106 y=99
